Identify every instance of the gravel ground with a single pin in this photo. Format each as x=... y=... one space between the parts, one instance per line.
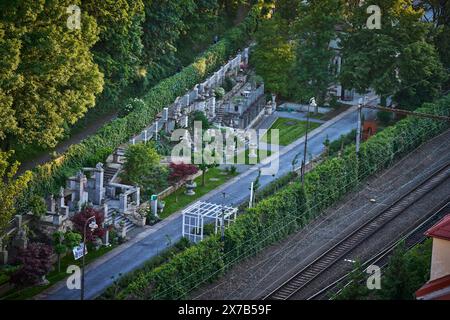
x=257 y=275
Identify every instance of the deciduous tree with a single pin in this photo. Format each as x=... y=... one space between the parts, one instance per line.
x=142 y=168
x=79 y=221
x=274 y=56
x=55 y=79
x=119 y=49
x=391 y=58
x=10 y=187
x=314 y=30
x=35 y=263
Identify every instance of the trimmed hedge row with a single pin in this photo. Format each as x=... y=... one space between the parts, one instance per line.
x=288 y=210
x=48 y=178
x=180 y=274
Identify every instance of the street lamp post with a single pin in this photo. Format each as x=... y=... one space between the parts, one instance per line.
x=358 y=127
x=223 y=218
x=93 y=225
x=312 y=103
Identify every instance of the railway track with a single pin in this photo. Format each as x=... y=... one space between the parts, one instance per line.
x=412 y=238
x=352 y=240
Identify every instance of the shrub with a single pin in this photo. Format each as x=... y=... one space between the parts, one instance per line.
x=132 y=105
x=35 y=263
x=219 y=93
x=229 y=84
x=199 y=116
x=142 y=168
x=38 y=206
x=180 y=171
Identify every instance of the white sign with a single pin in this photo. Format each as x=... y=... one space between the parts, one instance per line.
x=78 y=251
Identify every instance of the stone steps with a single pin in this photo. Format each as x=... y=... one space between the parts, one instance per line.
x=109 y=174
x=129 y=225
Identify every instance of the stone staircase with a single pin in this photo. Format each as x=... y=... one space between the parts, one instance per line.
x=118 y=219
x=220 y=112
x=109 y=174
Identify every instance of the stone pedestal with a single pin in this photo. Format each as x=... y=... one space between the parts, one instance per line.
x=123 y=205
x=154 y=205
x=166 y=114
x=123 y=232
x=190 y=186
x=57 y=219
x=252 y=151
x=105 y=238
x=3 y=257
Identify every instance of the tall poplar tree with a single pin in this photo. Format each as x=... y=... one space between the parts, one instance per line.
x=314 y=30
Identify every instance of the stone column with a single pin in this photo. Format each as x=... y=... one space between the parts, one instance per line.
x=212 y=108
x=166 y=114
x=274 y=102
x=99 y=181
x=138 y=196
x=196 y=92
x=20 y=241
x=3 y=253
x=115 y=157
x=154 y=205
x=123 y=202
x=246 y=55
x=105 y=239
x=123 y=232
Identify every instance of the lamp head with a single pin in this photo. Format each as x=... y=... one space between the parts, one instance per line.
x=93 y=225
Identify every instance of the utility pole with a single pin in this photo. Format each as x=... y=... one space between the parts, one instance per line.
x=250 y=204
x=223 y=218
x=93 y=225
x=312 y=103
x=358 y=128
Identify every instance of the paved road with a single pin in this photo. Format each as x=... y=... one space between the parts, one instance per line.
x=149 y=243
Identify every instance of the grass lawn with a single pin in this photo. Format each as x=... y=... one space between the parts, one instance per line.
x=178 y=200
x=55 y=276
x=290 y=130
x=317 y=116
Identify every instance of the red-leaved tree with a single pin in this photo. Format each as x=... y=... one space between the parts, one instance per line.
x=180 y=171
x=35 y=263
x=80 y=218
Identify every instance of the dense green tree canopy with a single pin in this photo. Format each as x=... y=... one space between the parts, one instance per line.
x=163 y=25
x=314 y=31
x=54 y=77
x=10 y=188
x=274 y=56
x=143 y=168
x=391 y=58
x=119 y=49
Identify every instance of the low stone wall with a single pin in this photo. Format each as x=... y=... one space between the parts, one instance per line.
x=302 y=108
x=172 y=189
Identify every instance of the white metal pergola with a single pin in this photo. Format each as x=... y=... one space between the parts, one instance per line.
x=196 y=215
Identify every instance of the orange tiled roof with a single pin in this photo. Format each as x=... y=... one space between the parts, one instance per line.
x=441 y=230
